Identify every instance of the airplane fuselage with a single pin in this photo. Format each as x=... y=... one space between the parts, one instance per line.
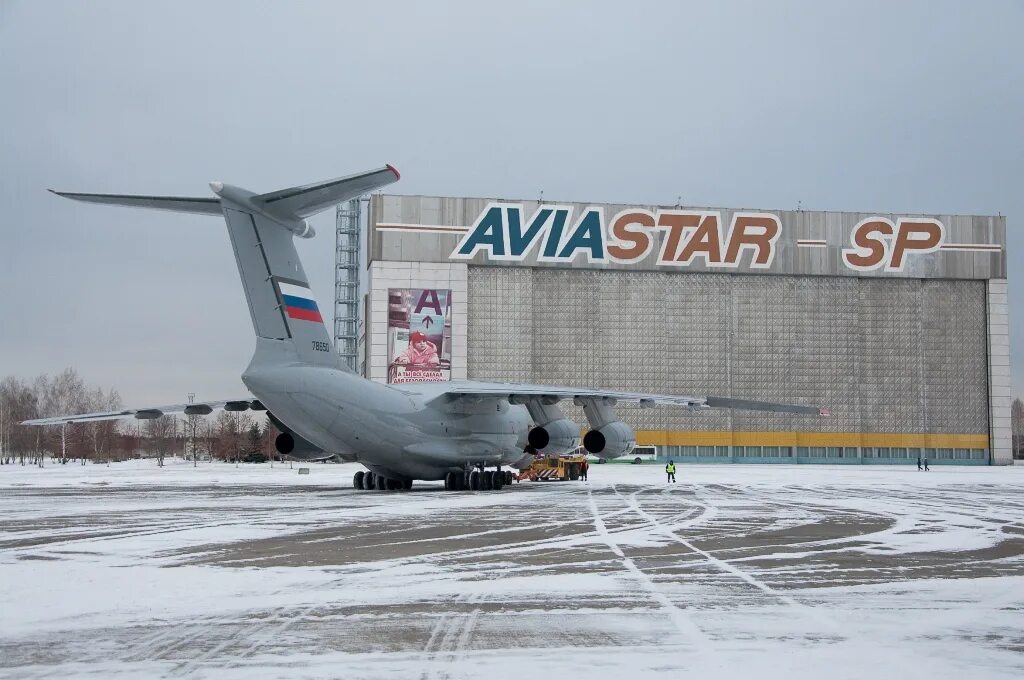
x=411 y=432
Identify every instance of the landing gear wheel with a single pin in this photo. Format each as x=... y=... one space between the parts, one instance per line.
x=452 y=481
x=497 y=480
x=508 y=478
x=474 y=480
x=369 y=483
x=382 y=482
x=357 y=480
x=392 y=484
x=486 y=480
x=407 y=484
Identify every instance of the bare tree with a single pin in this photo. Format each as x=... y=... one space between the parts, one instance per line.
x=19 y=402
x=161 y=433
x=64 y=393
x=192 y=424
x=230 y=427
x=101 y=433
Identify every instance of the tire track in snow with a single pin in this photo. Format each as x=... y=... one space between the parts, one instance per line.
x=449 y=640
x=680 y=619
x=723 y=565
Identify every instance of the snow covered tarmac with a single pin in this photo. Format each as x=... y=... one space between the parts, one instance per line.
x=737 y=571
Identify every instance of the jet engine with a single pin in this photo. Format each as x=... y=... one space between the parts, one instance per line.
x=610 y=441
x=557 y=436
x=292 y=445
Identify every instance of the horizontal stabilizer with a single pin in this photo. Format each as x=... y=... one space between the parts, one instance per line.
x=198 y=206
x=302 y=202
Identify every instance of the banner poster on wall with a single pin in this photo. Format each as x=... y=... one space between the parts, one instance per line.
x=419 y=335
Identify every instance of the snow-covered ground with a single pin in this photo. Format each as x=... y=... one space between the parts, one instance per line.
x=736 y=571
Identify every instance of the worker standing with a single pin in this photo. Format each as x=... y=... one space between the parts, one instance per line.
x=583 y=469
x=670 y=470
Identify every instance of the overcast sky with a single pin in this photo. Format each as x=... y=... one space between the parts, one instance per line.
x=868 y=106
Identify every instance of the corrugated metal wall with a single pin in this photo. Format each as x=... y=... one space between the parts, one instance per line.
x=905 y=355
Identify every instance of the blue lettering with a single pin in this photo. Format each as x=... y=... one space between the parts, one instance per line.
x=588 y=235
x=555 y=234
x=487 y=234
x=518 y=242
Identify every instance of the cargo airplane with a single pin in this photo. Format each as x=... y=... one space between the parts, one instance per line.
x=461 y=432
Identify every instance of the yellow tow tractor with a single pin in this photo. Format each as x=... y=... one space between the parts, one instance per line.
x=564 y=468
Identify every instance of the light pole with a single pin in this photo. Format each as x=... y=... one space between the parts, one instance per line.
x=192 y=423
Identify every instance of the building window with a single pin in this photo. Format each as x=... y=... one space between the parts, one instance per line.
x=978 y=454
x=850 y=452
x=834 y=452
x=706 y=450
x=899 y=452
x=721 y=450
x=944 y=454
x=753 y=452
x=801 y=451
x=690 y=451
x=770 y=451
x=913 y=453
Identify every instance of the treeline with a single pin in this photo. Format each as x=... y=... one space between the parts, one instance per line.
x=227 y=436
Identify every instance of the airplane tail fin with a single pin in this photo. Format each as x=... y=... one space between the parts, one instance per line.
x=262 y=226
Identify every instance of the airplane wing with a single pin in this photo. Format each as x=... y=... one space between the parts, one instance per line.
x=201 y=408
x=304 y=201
x=519 y=392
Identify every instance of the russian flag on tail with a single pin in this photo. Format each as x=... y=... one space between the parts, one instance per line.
x=299 y=303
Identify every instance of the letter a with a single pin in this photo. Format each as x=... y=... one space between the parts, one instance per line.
x=487 y=234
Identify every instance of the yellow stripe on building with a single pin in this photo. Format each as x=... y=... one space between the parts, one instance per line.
x=822 y=439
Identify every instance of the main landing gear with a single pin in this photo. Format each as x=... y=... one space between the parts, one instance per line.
x=370 y=480
x=477 y=479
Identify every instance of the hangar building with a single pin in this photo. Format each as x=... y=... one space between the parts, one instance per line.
x=896 y=323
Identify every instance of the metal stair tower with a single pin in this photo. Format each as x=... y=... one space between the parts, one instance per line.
x=346 y=281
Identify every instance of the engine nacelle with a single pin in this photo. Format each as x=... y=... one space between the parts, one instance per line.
x=293 y=446
x=557 y=436
x=610 y=441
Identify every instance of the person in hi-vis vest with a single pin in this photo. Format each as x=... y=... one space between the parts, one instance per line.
x=670 y=470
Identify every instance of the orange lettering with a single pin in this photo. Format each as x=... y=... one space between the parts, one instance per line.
x=704 y=240
x=930 y=230
x=754 y=231
x=621 y=232
x=676 y=223
x=863 y=241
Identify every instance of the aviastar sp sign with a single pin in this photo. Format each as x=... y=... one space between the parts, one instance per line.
x=503 y=232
